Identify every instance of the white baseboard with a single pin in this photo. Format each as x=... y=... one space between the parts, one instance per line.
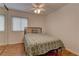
x=76 y=53
x=15 y=42
x=11 y=43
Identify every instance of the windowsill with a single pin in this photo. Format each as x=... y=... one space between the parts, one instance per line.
x=2 y=31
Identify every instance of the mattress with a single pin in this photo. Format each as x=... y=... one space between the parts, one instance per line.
x=37 y=44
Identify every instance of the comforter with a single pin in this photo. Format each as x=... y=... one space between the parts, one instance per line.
x=37 y=44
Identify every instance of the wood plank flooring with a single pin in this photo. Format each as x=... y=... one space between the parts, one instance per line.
x=18 y=50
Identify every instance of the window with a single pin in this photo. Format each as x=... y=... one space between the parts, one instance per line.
x=19 y=23
x=2 y=22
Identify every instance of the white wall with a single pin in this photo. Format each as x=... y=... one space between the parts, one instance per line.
x=64 y=23
x=10 y=37
x=37 y=21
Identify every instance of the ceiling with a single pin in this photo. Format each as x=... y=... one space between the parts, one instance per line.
x=26 y=7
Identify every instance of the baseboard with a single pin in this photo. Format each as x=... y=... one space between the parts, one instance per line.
x=15 y=43
x=8 y=43
x=77 y=54
x=12 y=44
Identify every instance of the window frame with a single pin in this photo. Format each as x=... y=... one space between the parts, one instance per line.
x=12 y=23
x=4 y=22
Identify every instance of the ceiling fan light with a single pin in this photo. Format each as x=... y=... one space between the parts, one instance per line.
x=37 y=11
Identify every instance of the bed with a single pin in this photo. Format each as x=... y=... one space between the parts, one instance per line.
x=37 y=43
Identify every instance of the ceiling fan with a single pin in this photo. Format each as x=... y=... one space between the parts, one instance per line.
x=38 y=7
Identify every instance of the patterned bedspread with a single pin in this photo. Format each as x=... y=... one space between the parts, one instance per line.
x=36 y=44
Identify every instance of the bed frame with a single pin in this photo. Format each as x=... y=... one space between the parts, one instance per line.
x=32 y=30
x=39 y=30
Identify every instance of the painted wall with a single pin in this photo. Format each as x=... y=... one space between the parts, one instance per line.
x=10 y=37
x=64 y=24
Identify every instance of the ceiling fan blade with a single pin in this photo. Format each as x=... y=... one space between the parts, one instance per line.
x=42 y=9
x=34 y=5
x=41 y=5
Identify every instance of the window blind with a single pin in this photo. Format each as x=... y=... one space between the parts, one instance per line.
x=19 y=23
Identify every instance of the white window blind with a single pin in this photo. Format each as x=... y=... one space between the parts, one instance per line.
x=2 y=17
x=19 y=23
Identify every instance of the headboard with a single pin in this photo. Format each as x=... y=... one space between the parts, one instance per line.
x=33 y=30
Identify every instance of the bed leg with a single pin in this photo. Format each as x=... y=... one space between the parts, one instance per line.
x=60 y=51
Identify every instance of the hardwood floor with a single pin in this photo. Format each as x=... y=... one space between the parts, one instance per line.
x=18 y=50
x=13 y=50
